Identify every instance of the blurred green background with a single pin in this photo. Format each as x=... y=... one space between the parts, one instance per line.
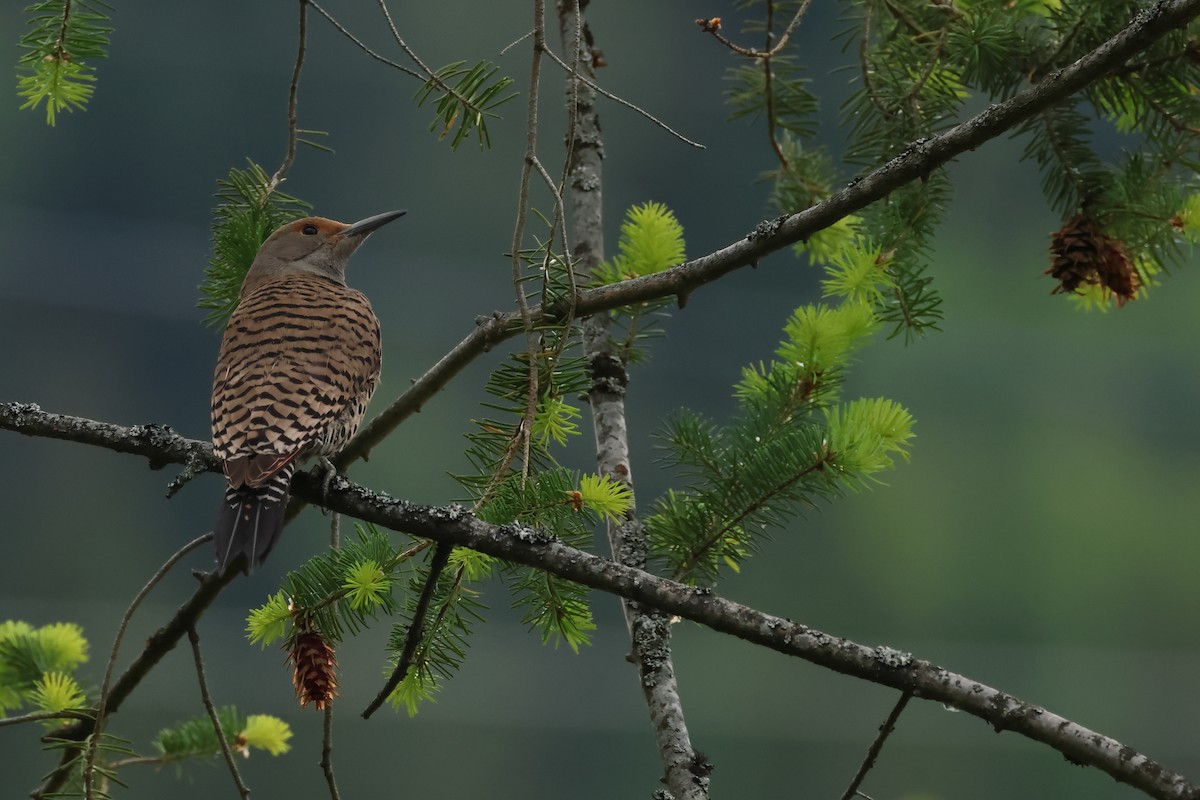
x=1041 y=540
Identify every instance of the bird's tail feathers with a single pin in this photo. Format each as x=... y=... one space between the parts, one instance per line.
x=250 y=521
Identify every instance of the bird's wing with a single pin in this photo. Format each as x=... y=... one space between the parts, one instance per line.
x=296 y=357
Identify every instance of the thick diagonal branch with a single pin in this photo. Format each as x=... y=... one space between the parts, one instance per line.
x=521 y=545
x=916 y=161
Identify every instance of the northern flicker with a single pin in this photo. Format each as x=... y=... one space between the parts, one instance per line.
x=298 y=365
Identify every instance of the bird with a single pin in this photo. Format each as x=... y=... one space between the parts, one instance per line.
x=299 y=361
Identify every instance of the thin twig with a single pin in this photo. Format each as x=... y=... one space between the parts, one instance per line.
x=591 y=84
x=524 y=430
x=516 y=42
x=38 y=716
x=281 y=174
x=212 y=714
x=335 y=541
x=102 y=702
x=327 y=753
x=362 y=45
x=873 y=751
x=416 y=629
x=769 y=92
x=707 y=26
x=403 y=46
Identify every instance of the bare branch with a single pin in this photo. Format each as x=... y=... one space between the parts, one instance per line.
x=453 y=525
x=712 y=26
x=212 y=714
x=38 y=716
x=288 y=159
x=408 y=51
x=361 y=44
x=591 y=84
x=531 y=129
x=327 y=754
x=876 y=747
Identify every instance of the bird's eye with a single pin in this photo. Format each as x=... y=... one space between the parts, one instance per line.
x=310 y=230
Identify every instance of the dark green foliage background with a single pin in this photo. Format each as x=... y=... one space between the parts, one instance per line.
x=1043 y=538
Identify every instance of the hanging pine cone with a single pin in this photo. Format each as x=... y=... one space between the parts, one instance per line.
x=315 y=669
x=1082 y=253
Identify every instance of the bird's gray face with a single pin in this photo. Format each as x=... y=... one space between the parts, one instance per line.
x=313 y=245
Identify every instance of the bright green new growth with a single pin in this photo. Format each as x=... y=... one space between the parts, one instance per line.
x=36 y=675
x=555 y=420
x=36 y=666
x=337 y=592
x=610 y=499
x=791 y=445
x=56 y=691
x=651 y=241
x=269 y=622
x=247 y=213
x=63 y=36
x=196 y=737
x=367 y=585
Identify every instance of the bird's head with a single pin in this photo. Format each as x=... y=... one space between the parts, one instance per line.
x=313 y=245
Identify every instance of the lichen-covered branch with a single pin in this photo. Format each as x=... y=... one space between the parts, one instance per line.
x=915 y=162
x=521 y=545
x=685 y=773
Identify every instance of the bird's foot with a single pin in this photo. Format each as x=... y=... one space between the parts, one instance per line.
x=329 y=472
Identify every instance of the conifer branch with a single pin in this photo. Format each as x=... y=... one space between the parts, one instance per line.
x=915 y=162
x=523 y=545
x=416 y=630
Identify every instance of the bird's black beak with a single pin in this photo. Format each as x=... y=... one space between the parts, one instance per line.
x=365 y=226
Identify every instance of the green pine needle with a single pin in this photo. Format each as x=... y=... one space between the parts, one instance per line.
x=56 y=691
x=64 y=36
x=244 y=217
x=28 y=655
x=466 y=99
x=859 y=275
x=864 y=434
x=196 y=737
x=366 y=585
x=269 y=622
x=787 y=450
x=555 y=419
x=265 y=732
x=610 y=499
x=418 y=686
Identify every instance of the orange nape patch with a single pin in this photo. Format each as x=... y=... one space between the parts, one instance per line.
x=323 y=226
